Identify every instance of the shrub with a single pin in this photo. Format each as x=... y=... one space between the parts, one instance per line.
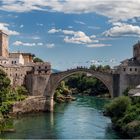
x=118 y=106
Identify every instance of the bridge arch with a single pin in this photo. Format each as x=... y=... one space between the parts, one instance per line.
x=56 y=78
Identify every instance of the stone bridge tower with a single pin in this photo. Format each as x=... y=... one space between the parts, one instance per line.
x=4 y=44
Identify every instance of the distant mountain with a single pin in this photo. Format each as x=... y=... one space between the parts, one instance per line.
x=55 y=70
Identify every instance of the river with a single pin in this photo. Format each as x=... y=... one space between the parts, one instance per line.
x=80 y=119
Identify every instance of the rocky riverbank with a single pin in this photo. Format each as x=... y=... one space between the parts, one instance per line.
x=31 y=104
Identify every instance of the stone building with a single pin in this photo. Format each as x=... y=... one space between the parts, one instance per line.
x=129 y=70
x=18 y=64
x=20 y=58
x=132 y=65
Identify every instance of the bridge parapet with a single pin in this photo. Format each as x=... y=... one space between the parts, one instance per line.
x=86 y=69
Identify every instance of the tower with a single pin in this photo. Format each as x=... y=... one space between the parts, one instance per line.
x=136 y=51
x=3 y=44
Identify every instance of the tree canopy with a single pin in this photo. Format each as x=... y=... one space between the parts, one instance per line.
x=36 y=59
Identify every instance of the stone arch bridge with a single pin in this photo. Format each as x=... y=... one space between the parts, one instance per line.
x=42 y=84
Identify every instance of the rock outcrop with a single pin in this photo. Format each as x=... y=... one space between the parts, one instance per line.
x=31 y=104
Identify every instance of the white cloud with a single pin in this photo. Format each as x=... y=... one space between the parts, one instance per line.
x=98 y=45
x=113 y=9
x=79 y=22
x=19 y=43
x=70 y=27
x=52 y=31
x=50 y=46
x=123 y=29
x=5 y=27
x=40 y=44
x=94 y=27
x=35 y=37
x=76 y=37
x=39 y=24
x=21 y=26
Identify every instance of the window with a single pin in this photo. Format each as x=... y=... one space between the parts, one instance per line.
x=39 y=67
x=124 y=69
x=46 y=67
x=130 y=69
x=16 y=74
x=136 y=69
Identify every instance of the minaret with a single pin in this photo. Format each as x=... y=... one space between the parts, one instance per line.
x=4 y=44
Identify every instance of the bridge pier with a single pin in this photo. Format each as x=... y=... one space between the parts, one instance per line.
x=51 y=104
x=50 y=101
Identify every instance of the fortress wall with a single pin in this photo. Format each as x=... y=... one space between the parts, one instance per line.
x=36 y=84
x=128 y=81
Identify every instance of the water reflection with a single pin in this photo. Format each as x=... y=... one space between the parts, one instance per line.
x=52 y=119
x=80 y=119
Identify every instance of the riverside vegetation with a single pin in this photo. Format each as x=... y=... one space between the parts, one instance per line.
x=82 y=84
x=125 y=115
x=8 y=96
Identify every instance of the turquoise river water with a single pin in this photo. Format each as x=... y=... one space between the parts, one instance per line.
x=81 y=119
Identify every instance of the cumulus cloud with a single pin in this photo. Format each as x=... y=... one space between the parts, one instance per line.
x=123 y=29
x=113 y=9
x=77 y=37
x=5 y=27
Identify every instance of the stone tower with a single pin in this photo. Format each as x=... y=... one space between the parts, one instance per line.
x=136 y=51
x=3 y=44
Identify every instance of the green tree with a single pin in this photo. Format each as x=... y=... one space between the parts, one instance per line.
x=100 y=68
x=118 y=107
x=107 y=68
x=93 y=67
x=4 y=84
x=36 y=59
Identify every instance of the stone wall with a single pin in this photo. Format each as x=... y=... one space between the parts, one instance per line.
x=36 y=84
x=16 y=73
x=31 y=104
x=127 y=80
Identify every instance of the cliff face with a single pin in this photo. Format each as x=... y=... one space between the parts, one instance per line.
x=31 y=104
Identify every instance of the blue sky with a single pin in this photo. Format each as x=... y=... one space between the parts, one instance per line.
x=70 y=33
